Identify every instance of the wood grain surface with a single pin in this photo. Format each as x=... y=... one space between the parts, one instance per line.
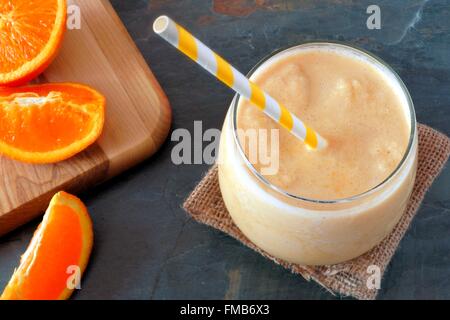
x=138 y=116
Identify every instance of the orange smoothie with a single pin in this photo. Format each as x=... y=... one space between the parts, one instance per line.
x=331 y=205
x=351 y=105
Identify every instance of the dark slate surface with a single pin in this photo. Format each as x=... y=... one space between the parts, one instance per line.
x=147 y=248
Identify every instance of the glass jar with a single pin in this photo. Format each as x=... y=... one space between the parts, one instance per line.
x=309 y=231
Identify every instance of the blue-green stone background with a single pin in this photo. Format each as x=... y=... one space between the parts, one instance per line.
x=146 y=247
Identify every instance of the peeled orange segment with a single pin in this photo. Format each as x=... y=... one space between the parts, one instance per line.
x=50 y=122
x=58 y=253
x=31 y=32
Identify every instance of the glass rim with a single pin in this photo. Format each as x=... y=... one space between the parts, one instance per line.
x=372 y=58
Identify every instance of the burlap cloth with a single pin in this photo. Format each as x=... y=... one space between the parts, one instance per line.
x=205 y=205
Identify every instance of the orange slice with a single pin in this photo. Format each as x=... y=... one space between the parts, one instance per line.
x=50 y=122
x=31 y=33
x=60 y=247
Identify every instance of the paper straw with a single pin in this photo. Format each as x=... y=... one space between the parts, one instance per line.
x=225 y=72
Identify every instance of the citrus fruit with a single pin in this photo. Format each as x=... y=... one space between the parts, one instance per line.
x=48 y=123
x=59 y=249
x=31 y=33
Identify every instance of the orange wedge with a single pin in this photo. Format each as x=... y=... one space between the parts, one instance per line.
x=31 y=33
x=61 y=245
x=50 y=122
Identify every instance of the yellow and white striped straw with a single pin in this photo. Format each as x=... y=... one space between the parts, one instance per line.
x=221 y=69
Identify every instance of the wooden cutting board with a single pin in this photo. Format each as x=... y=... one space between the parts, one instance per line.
x=138 y=116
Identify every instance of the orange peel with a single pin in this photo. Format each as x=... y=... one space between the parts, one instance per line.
x=31 y=33
x=60 y=246
x=50 y=122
